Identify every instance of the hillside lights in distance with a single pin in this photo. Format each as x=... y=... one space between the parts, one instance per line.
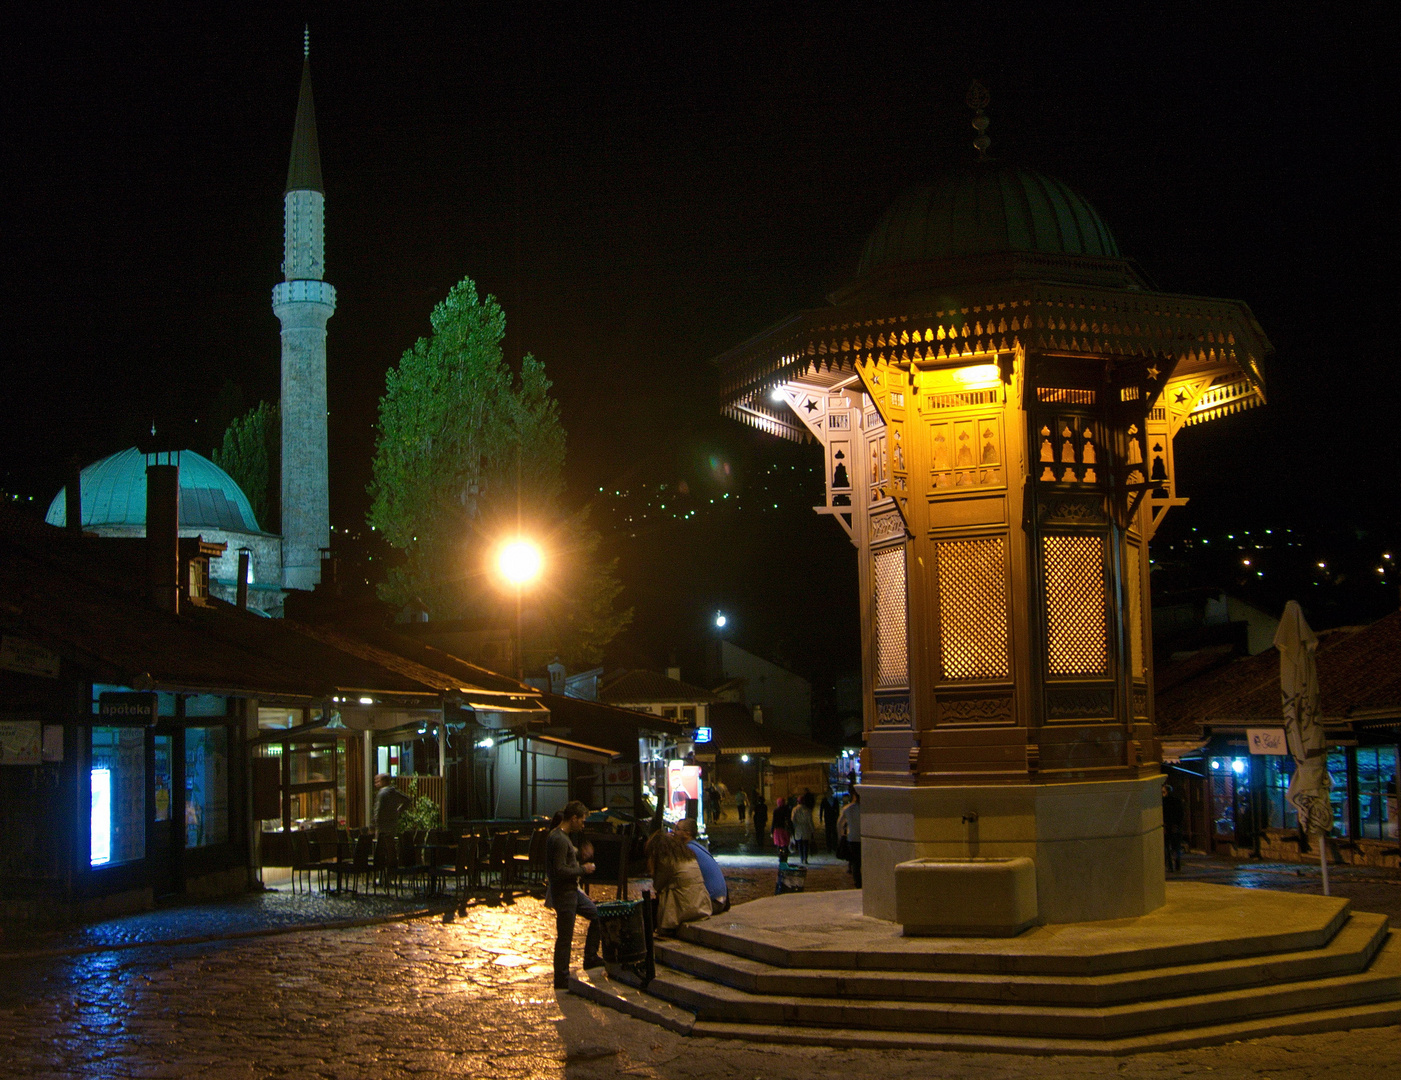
x=519 y=561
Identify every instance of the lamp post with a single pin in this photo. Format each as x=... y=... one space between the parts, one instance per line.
x=519 y=562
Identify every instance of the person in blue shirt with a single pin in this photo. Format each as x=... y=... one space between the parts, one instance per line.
x=714 y=877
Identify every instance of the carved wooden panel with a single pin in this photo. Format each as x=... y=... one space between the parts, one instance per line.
x=892 y=655
x=1135 y=612
x=984 y=709
x=1079 y=703
x=893 y=711
x=885 y=526
x=973 y=608
x=966 y=453
x=1071 y=510
x=1076 y=624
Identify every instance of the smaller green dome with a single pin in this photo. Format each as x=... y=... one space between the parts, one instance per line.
x=114 y=493
x=985 y=210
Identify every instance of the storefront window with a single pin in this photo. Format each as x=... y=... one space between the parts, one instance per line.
x=206 y=786
x=118 y=795
x=1279 y=811
x=1337 y=773
x=161 y=778
x=1376 y=781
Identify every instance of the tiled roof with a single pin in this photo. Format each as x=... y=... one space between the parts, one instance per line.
x=1359 y=673
x=649 y=687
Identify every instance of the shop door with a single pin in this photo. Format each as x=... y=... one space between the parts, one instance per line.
x=163 y=847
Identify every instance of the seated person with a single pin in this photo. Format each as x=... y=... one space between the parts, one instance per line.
x=715 y=883
x=681 y=892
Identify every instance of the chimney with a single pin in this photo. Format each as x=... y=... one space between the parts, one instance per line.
x=758 y=714
x=674 y=673
x=163 y=530
x=73 y=497
x=242 y=592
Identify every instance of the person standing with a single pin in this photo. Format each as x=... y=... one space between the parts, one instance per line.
x=782 y=822
x=761 y=818
x=849 y=826
x=827 y=812
x=390 y=802
x=564 y=871
x=1174 y=817
x=803 y=826
x=741 y=804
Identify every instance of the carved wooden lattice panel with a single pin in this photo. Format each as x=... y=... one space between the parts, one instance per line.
x=1075 y=616
x=892 y=656
x=972 y=609
x=1135 y=612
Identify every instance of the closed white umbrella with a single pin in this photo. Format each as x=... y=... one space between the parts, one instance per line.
x=1303 y=729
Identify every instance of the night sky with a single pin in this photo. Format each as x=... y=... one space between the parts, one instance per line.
x=645 y=186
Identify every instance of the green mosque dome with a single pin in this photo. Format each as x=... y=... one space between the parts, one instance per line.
x=986 y=210
x=114 y=494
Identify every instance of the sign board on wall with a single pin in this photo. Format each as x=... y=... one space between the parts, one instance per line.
x=17 y=654
x=682 y=784
x=1269 y=741
x=21 y=742
x=127 y=708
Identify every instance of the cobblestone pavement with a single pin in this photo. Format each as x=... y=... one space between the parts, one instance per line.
x=470 y=996
x=262 y=912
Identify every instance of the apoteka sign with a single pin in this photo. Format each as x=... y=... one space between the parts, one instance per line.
x=127 y=708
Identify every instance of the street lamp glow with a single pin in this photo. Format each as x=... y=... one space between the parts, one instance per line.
x=519 y=562
x=721 y=620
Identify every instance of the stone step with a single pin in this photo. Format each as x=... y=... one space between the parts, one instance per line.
x=1200 y=924
x=710 y=1001
x=1350 y=951
x=1380 y=1014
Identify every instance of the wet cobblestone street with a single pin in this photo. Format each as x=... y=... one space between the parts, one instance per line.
x=472 y=997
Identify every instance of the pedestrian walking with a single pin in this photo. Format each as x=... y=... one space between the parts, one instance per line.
x=741 y=804
x=761 y=818
x=782 y=822
x=564 y=871
x=390 y=802
x=803 y=826
x=849 y=827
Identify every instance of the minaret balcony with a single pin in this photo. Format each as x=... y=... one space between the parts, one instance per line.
x=303 y=291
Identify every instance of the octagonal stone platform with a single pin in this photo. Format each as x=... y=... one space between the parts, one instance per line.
x=1214 y=964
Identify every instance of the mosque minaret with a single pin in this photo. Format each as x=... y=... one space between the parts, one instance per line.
x=303 y=302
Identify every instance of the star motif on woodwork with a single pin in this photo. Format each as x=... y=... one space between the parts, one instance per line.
x=1181 y=397
x=1153 y=372
x=811 y=406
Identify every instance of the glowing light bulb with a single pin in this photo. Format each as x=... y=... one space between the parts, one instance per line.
x=520 y=562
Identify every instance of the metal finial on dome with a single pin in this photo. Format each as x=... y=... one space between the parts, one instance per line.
x=977 y=100
x=306 y=41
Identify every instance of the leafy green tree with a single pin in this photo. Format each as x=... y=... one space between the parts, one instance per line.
x=252 y=453
x=469 y=455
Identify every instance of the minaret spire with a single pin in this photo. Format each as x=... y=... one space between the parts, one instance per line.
x=304 y=302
